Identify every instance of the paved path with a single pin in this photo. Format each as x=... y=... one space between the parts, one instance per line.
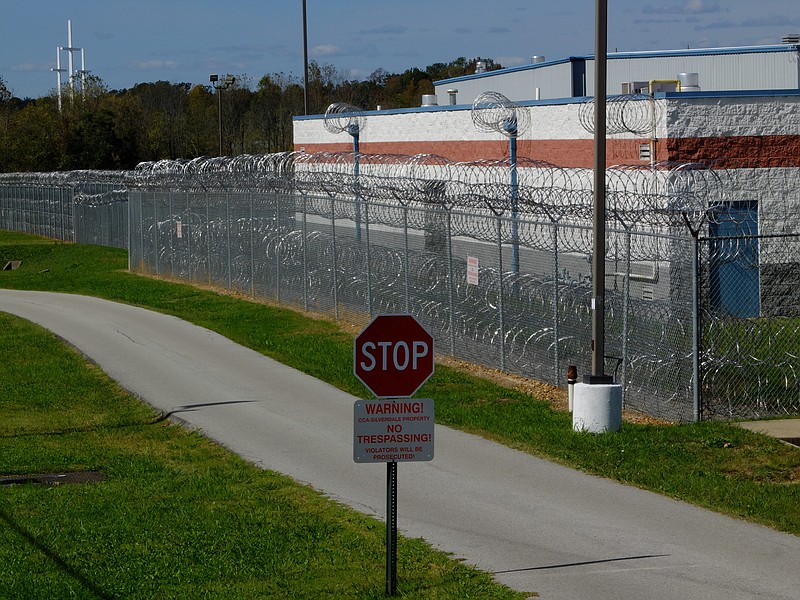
x=538 y=526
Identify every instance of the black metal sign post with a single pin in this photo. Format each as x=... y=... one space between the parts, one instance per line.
x=391 y=528
x=393 y=357
x=393 y=430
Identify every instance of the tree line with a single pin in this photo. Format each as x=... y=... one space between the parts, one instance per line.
x=98 y=128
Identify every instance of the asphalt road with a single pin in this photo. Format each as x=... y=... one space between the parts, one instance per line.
x=537 y=526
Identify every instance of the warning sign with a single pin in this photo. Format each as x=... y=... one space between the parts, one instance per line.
x=393 y=430
x=472 y=270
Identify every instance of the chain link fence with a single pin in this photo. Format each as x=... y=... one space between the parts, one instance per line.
x=423 y=236
x=687 y=332
x=88 y=207
x=750 y=326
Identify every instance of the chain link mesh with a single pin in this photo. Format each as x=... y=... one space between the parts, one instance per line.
x=422 y=235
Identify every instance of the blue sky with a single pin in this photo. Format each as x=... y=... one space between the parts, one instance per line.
x=185 y=40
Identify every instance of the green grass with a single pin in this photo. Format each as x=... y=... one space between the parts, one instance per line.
x=716 y=465
x=176 y=516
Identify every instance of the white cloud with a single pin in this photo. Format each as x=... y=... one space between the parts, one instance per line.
x=326 y=50
x=155 y=65
x=31 y=67
x=690 y=7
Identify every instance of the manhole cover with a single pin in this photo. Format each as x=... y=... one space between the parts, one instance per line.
x=52 y=478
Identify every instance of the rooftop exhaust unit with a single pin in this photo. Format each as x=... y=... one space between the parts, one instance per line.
x=792 y=38
x=535 y=59
x=429 y=100
x=690 y=82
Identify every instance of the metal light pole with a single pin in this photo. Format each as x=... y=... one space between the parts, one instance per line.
x=597 y=402
x=305 y=59
x=224 y=84
x=599 y=246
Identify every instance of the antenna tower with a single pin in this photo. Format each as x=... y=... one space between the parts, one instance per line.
x=71 y=72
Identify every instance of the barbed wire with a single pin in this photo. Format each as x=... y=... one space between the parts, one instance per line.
x=638 y=114
x=657 y=195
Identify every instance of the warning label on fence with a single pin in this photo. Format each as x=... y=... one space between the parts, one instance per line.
x=393 y=430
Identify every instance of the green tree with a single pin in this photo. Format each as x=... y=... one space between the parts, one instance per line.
x=34 y=140
x=201 y=123
x=162 y=107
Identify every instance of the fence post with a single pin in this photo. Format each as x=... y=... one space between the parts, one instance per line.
x=305 y=251
x=406 y=265
x=556 y=332
x=252 y=249
x=369 y=259
x=451 y=284
x=335 y=260
x=501 y=309
x=189 y=234
x=208 y=238
x=229 y=279
x=697 y=400
x=172 y=235
x=277 y=248
x=626 y=300
x=156 y=242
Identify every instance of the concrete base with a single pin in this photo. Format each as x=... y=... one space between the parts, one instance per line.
x=597 y=408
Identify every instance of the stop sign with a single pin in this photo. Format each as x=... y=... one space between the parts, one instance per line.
x=393 y=356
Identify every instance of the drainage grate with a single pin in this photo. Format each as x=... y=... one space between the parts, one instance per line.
x=52 y=478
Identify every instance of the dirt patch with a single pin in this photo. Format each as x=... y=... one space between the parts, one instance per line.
x=52 y=478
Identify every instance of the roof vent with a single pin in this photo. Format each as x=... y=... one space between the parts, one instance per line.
x=429 y=100
x=792 y=38
x=535 y=59
x=480 y=67
x=690 y=82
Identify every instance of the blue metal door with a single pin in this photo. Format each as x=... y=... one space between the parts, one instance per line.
x=733 y=269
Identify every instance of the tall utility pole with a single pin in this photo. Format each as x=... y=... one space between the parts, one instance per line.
x=599 y=246
x=219 y=85
x=305 y=58
x=597 y=402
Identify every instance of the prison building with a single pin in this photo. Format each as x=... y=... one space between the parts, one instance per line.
x=733 y=110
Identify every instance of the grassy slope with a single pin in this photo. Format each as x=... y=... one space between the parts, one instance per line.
x=177 y=516
x=716 y=465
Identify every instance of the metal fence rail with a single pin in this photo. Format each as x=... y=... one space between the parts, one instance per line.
x=425 y=236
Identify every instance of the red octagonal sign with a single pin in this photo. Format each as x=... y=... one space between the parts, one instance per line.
x=393 y=356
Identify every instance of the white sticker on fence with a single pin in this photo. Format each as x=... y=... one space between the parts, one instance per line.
x=472 y=270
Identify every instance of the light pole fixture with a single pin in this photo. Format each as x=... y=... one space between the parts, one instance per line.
x=219 y=85
x=305 y=59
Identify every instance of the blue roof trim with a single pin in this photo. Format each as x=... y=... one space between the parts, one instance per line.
x=703 y=52
x=629 y=55
x=576 y=100
x=394 y=111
